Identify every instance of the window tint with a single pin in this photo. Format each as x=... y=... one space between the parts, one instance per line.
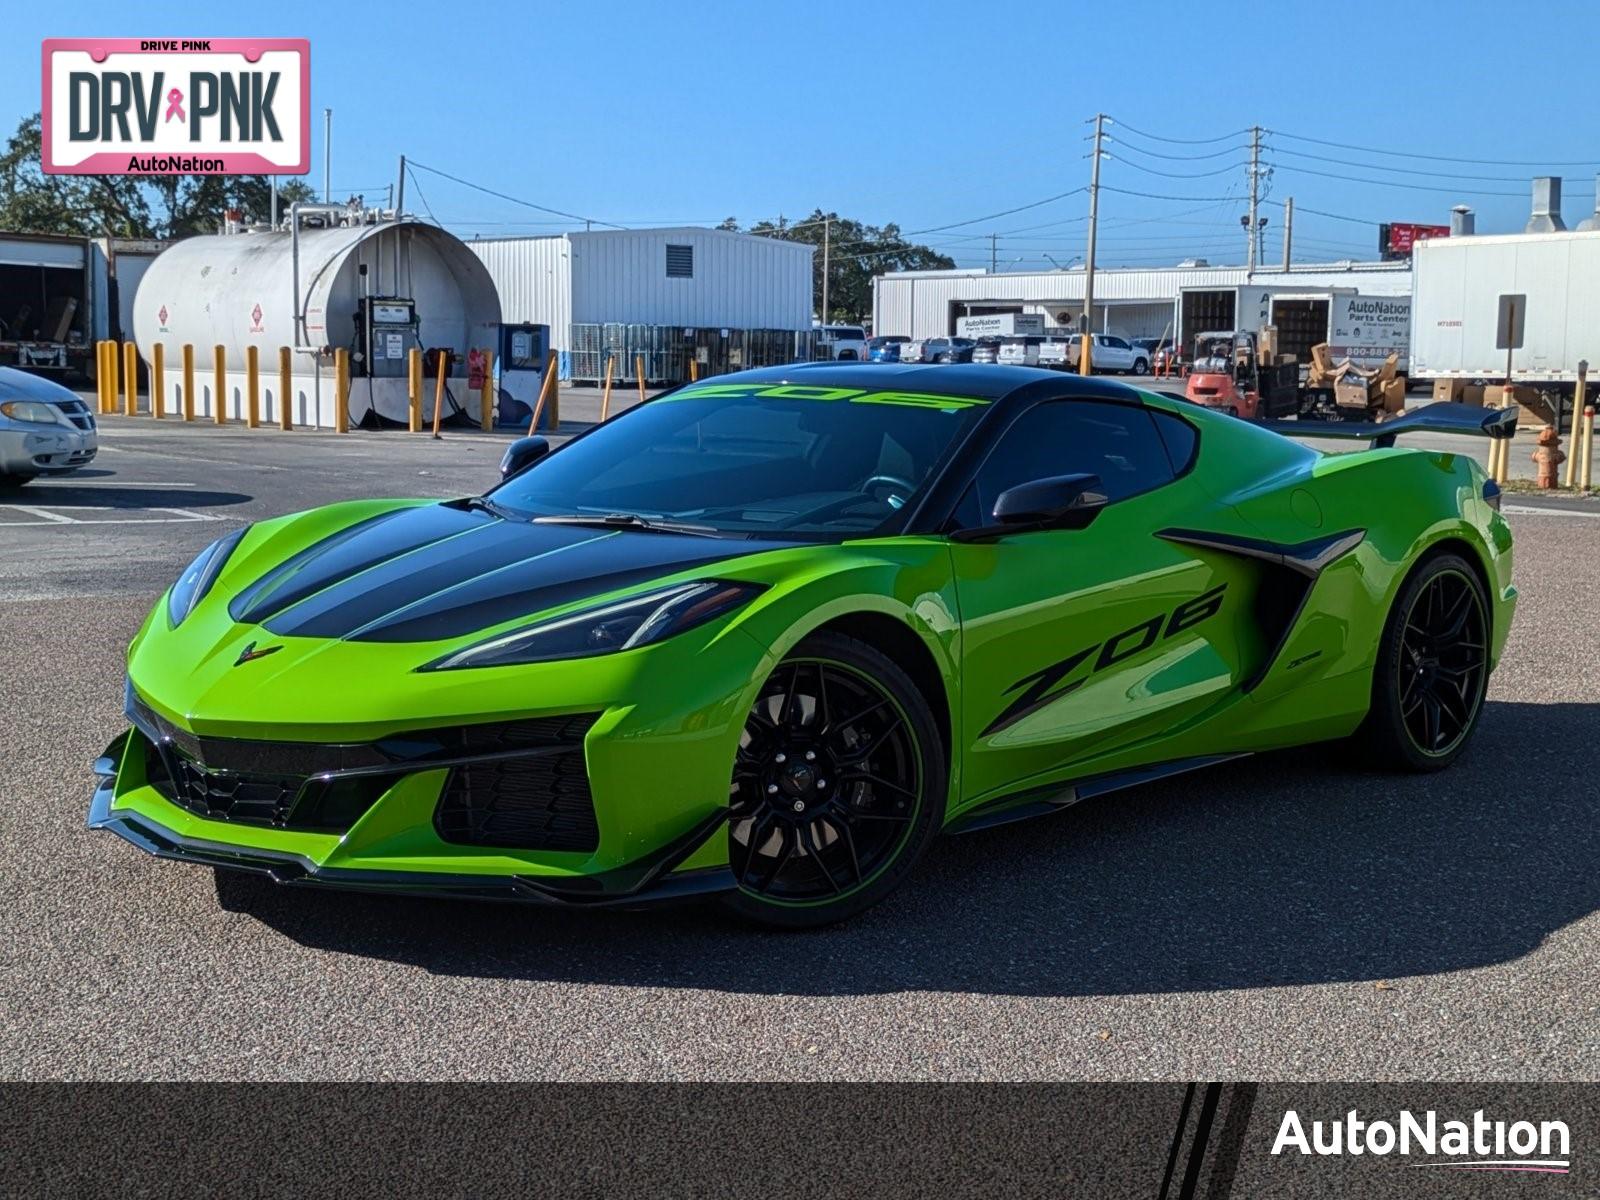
x=1118 y=343
x=1178 y=436
x=1117 y=442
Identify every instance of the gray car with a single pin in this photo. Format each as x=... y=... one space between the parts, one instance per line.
x=44 y=428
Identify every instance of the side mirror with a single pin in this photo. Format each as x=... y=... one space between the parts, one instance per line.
x=1057 y=502
x=521 y=455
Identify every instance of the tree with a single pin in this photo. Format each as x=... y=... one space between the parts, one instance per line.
x=855 y=253
x=145 y=206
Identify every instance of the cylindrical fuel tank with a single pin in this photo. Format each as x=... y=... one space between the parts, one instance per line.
x=238 y=289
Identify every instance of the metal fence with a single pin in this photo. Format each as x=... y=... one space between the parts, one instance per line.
x=667 y=351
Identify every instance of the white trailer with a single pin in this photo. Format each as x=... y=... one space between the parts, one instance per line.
x=1459 y=283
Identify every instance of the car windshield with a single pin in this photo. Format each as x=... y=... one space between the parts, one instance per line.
x=750 y=459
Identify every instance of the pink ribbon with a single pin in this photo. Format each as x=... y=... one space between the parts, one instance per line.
x=175 y=105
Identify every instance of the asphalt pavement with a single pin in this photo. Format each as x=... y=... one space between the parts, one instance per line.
x=1287 y=917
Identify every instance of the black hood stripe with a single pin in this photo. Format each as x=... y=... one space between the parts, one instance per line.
x=340 y=555
x=437 y=572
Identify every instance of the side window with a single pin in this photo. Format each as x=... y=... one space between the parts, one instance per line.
x=1117 y=442
x=1178 y=436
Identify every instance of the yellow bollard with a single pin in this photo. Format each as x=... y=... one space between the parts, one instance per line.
x=341 y=390
x=438 y=393
x=605 y=398
x=638 y=371
x=188 y=381
x=1586 y=473
x=130 y=379
x=486 y=394
x=414 y=391
x=252 y=383
x=285 y=389
x=100 y=377
x=1577 y=423
x=544 y=392
x=158 y=381
x=219 y=385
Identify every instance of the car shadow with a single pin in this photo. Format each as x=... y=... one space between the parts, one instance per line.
x=1284 y=869
x=62 y=492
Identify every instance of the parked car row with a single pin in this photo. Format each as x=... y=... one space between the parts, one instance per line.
x=1060 y=352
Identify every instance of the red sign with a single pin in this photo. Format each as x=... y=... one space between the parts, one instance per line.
x=1403 y=236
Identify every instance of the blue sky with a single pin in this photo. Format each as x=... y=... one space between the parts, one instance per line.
x=929 y=114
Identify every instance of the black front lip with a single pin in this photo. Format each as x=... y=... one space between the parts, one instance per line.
x=648 y=880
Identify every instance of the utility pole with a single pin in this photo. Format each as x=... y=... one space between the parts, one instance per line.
x=327 y=156
x=1085 y=357
x=1255 y=195
x=993 y=255
x=827 y=249
x=1288 y=229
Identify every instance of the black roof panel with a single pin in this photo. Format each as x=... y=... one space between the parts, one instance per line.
x=954 y=379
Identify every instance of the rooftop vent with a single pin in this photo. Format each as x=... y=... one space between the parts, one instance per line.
x=1593 y=220
x=1546 y=217
x=1462 y=221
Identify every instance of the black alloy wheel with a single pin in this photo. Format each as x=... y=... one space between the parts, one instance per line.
x=1433 y=667
x=836 y=785
x=1444 y=657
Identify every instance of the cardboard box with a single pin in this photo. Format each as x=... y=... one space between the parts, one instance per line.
x=1532 y=407
x=1472 y=393
x=1350 y=391
x=1394 y=396
x=1448 y=390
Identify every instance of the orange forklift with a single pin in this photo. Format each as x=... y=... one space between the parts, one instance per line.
x=1227 y=373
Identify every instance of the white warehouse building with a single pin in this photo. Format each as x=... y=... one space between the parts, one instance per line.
x=1144 y=302
x=687 y=278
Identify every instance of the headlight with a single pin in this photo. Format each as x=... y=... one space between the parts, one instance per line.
x=198 y=577
x=623 y=625
x=34 y=412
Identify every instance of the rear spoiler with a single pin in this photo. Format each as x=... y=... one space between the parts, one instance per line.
x=1442 y=417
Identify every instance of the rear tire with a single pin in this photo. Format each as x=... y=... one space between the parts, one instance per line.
x=1432 y=670
x=838 y=786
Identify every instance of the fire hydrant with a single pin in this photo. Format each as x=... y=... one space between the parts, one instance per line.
x=1548 y=456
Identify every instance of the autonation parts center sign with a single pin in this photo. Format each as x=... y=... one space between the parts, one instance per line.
x=211 y=106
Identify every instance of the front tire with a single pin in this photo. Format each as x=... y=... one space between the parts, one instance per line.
x=838 y=786
x=15 y=481
x=1433 y=669
x=1141 y=366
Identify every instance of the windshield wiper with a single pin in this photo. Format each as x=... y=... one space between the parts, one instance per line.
x=484 y=504
x=629 y=521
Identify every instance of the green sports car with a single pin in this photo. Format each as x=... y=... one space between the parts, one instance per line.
x=766 y=636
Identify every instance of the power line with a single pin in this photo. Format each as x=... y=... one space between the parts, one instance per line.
x=1230 y=169
x=1155 y=196
x=416 y=183
x=992 y=216
x=556 y=212
x=1394 y=183
x=1478 y=162
x=1300 y=208
x=1156 y=137
x=1371 y=166
x=1179 y=157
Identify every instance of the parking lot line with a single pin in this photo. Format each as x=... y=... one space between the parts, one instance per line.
x=44 y=517
x=68 y=481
